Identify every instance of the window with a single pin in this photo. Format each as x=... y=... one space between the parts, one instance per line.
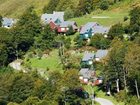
x=62 y=29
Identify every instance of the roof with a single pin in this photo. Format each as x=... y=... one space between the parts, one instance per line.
x=7 y=22
x=53 y=17
x=85 y=72
x=101 y=53
x=87 y=27
x=88 y=56
x=100 y=29
x=68 y=23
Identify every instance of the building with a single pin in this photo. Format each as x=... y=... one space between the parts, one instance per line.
x=56 y=17
x=8 y=22
x=86 y=30
x=92 y=28
x=100 y=30
x=85 y=74
x=87 y=59
x=100 y=54
x=65 y=25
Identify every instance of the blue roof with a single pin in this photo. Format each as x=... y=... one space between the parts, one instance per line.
x=53 y=17
x=88 y=56
x=101 y=53
x=87 y=27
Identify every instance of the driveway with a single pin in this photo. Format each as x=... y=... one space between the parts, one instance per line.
x=103 y=101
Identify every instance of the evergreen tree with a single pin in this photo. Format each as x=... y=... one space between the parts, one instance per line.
x=51 y=6
x=116 y=30
x=84 y=7
x=1 y=20
x=115 y=71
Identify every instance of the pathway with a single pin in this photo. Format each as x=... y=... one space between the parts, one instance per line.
x=103 y=101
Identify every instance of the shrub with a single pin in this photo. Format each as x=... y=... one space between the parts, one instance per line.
x=104 y=5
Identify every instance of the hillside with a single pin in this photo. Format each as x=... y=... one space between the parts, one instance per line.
x=113 y=15
x=14 y=8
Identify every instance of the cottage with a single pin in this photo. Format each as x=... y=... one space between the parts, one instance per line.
x=100 y=30
x=8 y=22
x=56 y=17
x=64 y=26
x=100 y=54
x=92 y=28
x=86 y=30
x=85 y=74
x=88 y=59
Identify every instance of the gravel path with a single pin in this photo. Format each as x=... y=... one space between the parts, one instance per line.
x=101 y=17
x=103 y=101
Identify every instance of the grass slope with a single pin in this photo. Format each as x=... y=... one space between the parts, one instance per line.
x=115 y=14
x=52 y=62
x=14 y=8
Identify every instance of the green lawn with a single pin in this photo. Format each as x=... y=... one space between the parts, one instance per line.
x=115 y=14
x=52 y=62
x=113 y=17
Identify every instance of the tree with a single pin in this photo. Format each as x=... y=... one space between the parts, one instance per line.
x=104 y=5
x=70 y=31
x=46 y=39
x=21 y=88
x=3 y=55
x=1 y=19
x=115 y=71
x=135 y=18
x=51 y=6
x=99 y=41
x=69 y=13
x=134 y=23
x=132 y=60
x=6 y=80
x=116 y=30
x=84 y=7
x=26 y=28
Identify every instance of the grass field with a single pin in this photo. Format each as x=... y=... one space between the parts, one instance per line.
x=52 y=62
x=112 y=17
x=14 y=8
x=115 y=14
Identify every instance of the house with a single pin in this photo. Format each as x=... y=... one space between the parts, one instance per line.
x=8 y=22
x=87 y=59
x=86 y=30
x=56 y=17
x=85 y=74
x=100 y=30
x=92 y=28
x=100 y=54
x=64 y=26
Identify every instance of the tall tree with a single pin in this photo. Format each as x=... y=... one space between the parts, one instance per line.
x=116 y=30
x=114 y=71
x=132 y=65
x=84 y=7
x=51 y=6
x=26 y=28
x=1 y=19
x=46 y=39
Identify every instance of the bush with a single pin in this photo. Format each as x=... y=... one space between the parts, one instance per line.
x=68 y=14
x=125 y=18
x=99 y=41
x=104 y=5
